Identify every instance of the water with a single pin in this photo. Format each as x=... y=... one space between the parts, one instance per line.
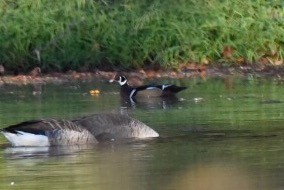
x=219 y=134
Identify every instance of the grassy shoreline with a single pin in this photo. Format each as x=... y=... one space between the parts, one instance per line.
x=87 y=34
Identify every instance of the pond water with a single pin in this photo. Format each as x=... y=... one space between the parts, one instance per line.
x=223 y=133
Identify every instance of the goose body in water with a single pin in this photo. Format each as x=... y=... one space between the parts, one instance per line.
x=86 y=130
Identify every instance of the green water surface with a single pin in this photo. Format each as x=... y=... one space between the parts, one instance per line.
x=223 y=133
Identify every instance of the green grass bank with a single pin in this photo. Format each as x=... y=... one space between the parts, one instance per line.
x=85 y=34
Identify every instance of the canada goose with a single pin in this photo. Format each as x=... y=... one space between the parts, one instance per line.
x=146 y=90
x=90 y=129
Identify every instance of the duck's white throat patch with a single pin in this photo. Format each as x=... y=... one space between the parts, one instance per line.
x=122 y=82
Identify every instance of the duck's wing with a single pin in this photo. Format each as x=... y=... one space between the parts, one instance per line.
x=41 y=127
x=116 y=126
x=157 y=90
x=170 y=89
x=147 y=91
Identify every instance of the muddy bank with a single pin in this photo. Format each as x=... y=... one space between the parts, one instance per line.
x=188 y=71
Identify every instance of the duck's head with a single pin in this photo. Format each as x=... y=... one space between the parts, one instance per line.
x=120 y=79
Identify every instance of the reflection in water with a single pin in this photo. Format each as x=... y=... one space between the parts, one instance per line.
x=214 y=177
x=40 y=152
x=24 y=152
x=151 y=103
x=109 y=166
x=37 y=89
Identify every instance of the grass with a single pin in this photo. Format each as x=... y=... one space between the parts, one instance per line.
x=85 y=34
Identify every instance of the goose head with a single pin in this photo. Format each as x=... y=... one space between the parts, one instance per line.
x=120 y=79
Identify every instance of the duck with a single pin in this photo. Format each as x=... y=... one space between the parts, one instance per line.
x=145 y=91
x=90 y=129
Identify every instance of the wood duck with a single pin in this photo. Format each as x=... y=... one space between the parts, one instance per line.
x=147 y=91
x=86 y=130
